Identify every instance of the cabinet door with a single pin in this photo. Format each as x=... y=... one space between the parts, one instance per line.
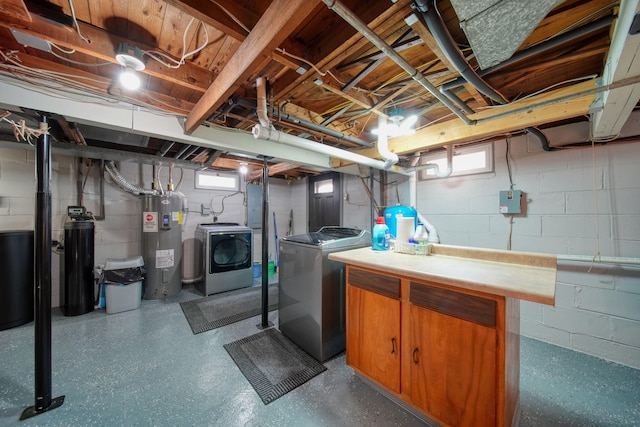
x=373 y=336
x=453 y=368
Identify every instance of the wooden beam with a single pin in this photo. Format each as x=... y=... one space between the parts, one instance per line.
x=103 y=47
x=553 y=106
x=15 y=8
x=215 y=14
x=279 y=20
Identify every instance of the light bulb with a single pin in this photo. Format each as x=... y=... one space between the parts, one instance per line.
x=243 y=168
x=129 y=79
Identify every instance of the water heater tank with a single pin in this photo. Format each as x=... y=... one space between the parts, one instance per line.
x=162 y=219
x=391 y=215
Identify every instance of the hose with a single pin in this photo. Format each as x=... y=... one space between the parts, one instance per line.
x=122 y=182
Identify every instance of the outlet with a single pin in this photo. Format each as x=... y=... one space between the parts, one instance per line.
x=346 y=197
x=205 y=209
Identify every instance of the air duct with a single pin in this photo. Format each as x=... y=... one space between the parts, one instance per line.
x=122 y=182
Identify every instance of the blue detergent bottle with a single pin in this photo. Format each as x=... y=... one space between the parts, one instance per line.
x=380 y=235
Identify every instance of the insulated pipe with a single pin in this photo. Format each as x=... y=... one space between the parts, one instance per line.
x=261 y=87
x=447 y=44
x=274 y=135
x=389 y=158
x=416 y=75
x=540 y=47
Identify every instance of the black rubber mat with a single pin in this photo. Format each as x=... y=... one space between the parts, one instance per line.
x=273 y=364
x=225 y=308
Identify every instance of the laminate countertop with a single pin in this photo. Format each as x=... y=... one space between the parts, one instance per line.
x=526 y=276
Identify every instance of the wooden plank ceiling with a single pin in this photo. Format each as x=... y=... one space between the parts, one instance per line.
x=319 y=69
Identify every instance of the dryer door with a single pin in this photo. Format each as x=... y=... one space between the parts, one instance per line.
x=229 y=251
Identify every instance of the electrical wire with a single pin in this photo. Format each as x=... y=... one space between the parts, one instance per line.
x=312 y=65
x=596 y=256
x=181 y=61
x=75 y=22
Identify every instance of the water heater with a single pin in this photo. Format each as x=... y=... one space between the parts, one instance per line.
x=162 y=219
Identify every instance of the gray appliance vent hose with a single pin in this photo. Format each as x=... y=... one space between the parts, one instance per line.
x=121 y=181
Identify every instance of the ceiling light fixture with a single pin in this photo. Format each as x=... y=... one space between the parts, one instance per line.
x=131 y=60
x=399 y=126
x=243 y=168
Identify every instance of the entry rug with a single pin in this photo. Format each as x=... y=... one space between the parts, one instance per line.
x=222 y=309
x=273 y=364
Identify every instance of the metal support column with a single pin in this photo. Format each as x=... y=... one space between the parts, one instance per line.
x=265 y=246
x=42 y=259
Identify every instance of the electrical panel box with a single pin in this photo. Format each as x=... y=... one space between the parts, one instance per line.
x=510 y=202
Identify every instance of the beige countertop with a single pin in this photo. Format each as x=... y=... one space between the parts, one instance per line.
x=523 y=275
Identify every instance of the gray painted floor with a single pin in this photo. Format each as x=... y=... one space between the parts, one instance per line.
x=144 y=367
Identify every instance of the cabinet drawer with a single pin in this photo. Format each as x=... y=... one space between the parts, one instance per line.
x=378 y=283
x=467 y=307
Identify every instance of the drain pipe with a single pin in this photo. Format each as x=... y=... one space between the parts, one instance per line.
x=346 y=14
x=435 y=167
x=270 y=134
x=389 y=158
x=413 y=199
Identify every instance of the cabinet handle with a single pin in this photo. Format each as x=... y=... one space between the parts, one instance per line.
x=416 y=352
x=393 y=345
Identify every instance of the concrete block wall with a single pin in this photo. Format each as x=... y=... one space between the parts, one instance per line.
x=578 y=201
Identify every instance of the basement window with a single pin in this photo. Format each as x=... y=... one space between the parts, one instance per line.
x=324 y=186
x=468 y=160
x=210 y=180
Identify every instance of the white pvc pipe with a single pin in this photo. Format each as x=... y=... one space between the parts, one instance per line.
x=599 y=259
x=435 y=167
x=270 y=134
x=383 y=144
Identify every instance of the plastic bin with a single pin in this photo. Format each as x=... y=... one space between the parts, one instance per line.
x=123 y=283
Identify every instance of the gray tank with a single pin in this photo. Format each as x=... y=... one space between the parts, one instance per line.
x=162 y=219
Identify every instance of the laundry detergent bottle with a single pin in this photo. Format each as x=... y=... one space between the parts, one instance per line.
x=380 y=235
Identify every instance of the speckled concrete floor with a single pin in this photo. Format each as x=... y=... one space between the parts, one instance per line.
x=145 y=367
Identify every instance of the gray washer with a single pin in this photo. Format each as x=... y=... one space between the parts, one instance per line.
x=311 y=288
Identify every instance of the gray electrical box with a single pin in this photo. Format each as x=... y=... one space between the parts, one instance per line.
x=510 y=202
x=254 y=206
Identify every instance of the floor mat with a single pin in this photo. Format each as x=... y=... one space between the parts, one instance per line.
x=225 y=308
x=273 y=364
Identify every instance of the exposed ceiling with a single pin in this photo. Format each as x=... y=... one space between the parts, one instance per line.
x=332 y=69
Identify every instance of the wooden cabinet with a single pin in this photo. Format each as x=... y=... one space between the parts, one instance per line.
x=453 y=358
x=373 y=327
x=433 y=347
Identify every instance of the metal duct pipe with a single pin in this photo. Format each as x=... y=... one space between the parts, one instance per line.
x=122 y=182
x=434 y=22
x=416 y=75
x=268 y=134
x=540 y=47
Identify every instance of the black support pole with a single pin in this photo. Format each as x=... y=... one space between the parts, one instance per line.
x=42 y=260
x=265 y=245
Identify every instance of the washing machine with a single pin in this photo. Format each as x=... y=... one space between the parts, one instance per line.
x=312 y=288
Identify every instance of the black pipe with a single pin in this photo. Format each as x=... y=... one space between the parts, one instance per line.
x=540 y=47
x=434 y=23
x=265 y=244
x=42 y=268
x=542 y=137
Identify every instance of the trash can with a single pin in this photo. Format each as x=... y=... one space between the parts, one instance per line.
x=122 y=279
x=17 y=284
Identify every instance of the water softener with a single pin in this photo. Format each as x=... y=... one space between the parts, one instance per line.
x=162 y=218
x=78 y=288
